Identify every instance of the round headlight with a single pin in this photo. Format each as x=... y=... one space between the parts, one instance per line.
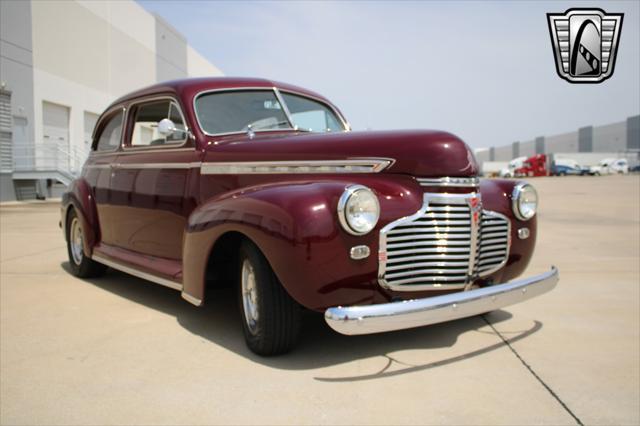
x=358 y=210
x=525 y=201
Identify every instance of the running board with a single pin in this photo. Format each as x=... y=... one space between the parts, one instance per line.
x=137 y=273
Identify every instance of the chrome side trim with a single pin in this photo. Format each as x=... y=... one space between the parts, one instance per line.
x=138 y=166
x=365 y=165
x=452 y=182
x=371 y=165
x=432 y=310
x=189 y=298
x=137 y=273
x=146 y=151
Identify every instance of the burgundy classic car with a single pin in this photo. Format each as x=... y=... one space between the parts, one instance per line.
x=194 y=183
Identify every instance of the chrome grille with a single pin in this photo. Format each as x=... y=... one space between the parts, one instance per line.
x=493 y=243
x=442 y=246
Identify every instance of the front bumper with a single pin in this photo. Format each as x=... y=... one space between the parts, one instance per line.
x=432 y=310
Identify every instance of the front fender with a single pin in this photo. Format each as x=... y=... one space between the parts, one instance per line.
x=497 y=196
x=295 y=226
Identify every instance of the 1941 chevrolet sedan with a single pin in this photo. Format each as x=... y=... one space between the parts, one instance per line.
x=195 y=182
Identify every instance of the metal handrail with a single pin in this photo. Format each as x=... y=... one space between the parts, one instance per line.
x=49 y=157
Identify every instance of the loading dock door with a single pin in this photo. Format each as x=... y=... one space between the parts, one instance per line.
x=55 y=130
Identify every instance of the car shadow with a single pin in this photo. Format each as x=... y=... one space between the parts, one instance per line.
x=218 y=322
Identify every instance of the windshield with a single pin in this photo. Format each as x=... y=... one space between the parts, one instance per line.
x=311 y=115
x=260 y=110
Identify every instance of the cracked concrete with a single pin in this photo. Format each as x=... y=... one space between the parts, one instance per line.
x=119 y=350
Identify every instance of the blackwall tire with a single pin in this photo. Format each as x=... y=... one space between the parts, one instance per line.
x=270 y=317
x=81 y=266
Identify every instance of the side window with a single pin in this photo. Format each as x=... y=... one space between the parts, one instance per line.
x=109 y=139
x=158 y=123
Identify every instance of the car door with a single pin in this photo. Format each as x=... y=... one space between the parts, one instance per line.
x=153 y=179
x=99 y=169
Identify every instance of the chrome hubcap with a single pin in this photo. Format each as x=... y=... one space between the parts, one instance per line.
x=249 y=296
x=75 y=241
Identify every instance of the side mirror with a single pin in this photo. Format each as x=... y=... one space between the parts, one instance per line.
x=166 y=127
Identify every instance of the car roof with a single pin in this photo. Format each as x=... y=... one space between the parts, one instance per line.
x=192 y=86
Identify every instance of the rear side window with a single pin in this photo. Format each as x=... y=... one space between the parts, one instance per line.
x=111 y=134
x=147 y=128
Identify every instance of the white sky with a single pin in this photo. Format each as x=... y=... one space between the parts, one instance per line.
x=482 y=70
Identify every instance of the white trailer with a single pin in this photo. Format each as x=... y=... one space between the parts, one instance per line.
x=492 y=168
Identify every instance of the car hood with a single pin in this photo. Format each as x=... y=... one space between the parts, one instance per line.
x=414 y=152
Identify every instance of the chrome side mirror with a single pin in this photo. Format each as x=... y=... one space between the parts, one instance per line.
x=166 y=127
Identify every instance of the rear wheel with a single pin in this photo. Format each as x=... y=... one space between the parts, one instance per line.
x=81 y=266
x=270 y=317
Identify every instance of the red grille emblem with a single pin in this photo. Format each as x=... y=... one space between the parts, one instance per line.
x=476 y=208
x=474 y=203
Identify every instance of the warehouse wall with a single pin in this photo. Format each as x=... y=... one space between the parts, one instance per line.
x=622 y=138
x=610 y=138
x=171 y=48
x=482 y=155
x=527 y=149
x=566 y=142
x=78 y=56
x=16 y=74
x=71 y=71
x=503 y=153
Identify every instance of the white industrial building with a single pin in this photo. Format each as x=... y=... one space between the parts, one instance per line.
x=61 y=64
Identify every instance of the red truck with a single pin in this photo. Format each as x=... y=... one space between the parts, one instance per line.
x=533 y=166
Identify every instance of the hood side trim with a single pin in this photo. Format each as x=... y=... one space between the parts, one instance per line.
x=360 y=165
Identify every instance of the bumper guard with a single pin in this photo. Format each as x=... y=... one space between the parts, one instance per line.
x=432 y=310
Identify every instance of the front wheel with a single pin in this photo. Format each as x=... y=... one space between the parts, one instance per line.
x=270 y=317
x=81 y=265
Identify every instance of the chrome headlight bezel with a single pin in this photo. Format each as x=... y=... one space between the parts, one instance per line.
x=343 y=204
x=516 y=198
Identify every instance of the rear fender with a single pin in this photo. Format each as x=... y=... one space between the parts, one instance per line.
x=79 y=196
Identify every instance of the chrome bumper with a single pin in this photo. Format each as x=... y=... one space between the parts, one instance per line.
x=432 y=310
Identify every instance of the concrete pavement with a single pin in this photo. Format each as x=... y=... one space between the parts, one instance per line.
x=119 y=350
